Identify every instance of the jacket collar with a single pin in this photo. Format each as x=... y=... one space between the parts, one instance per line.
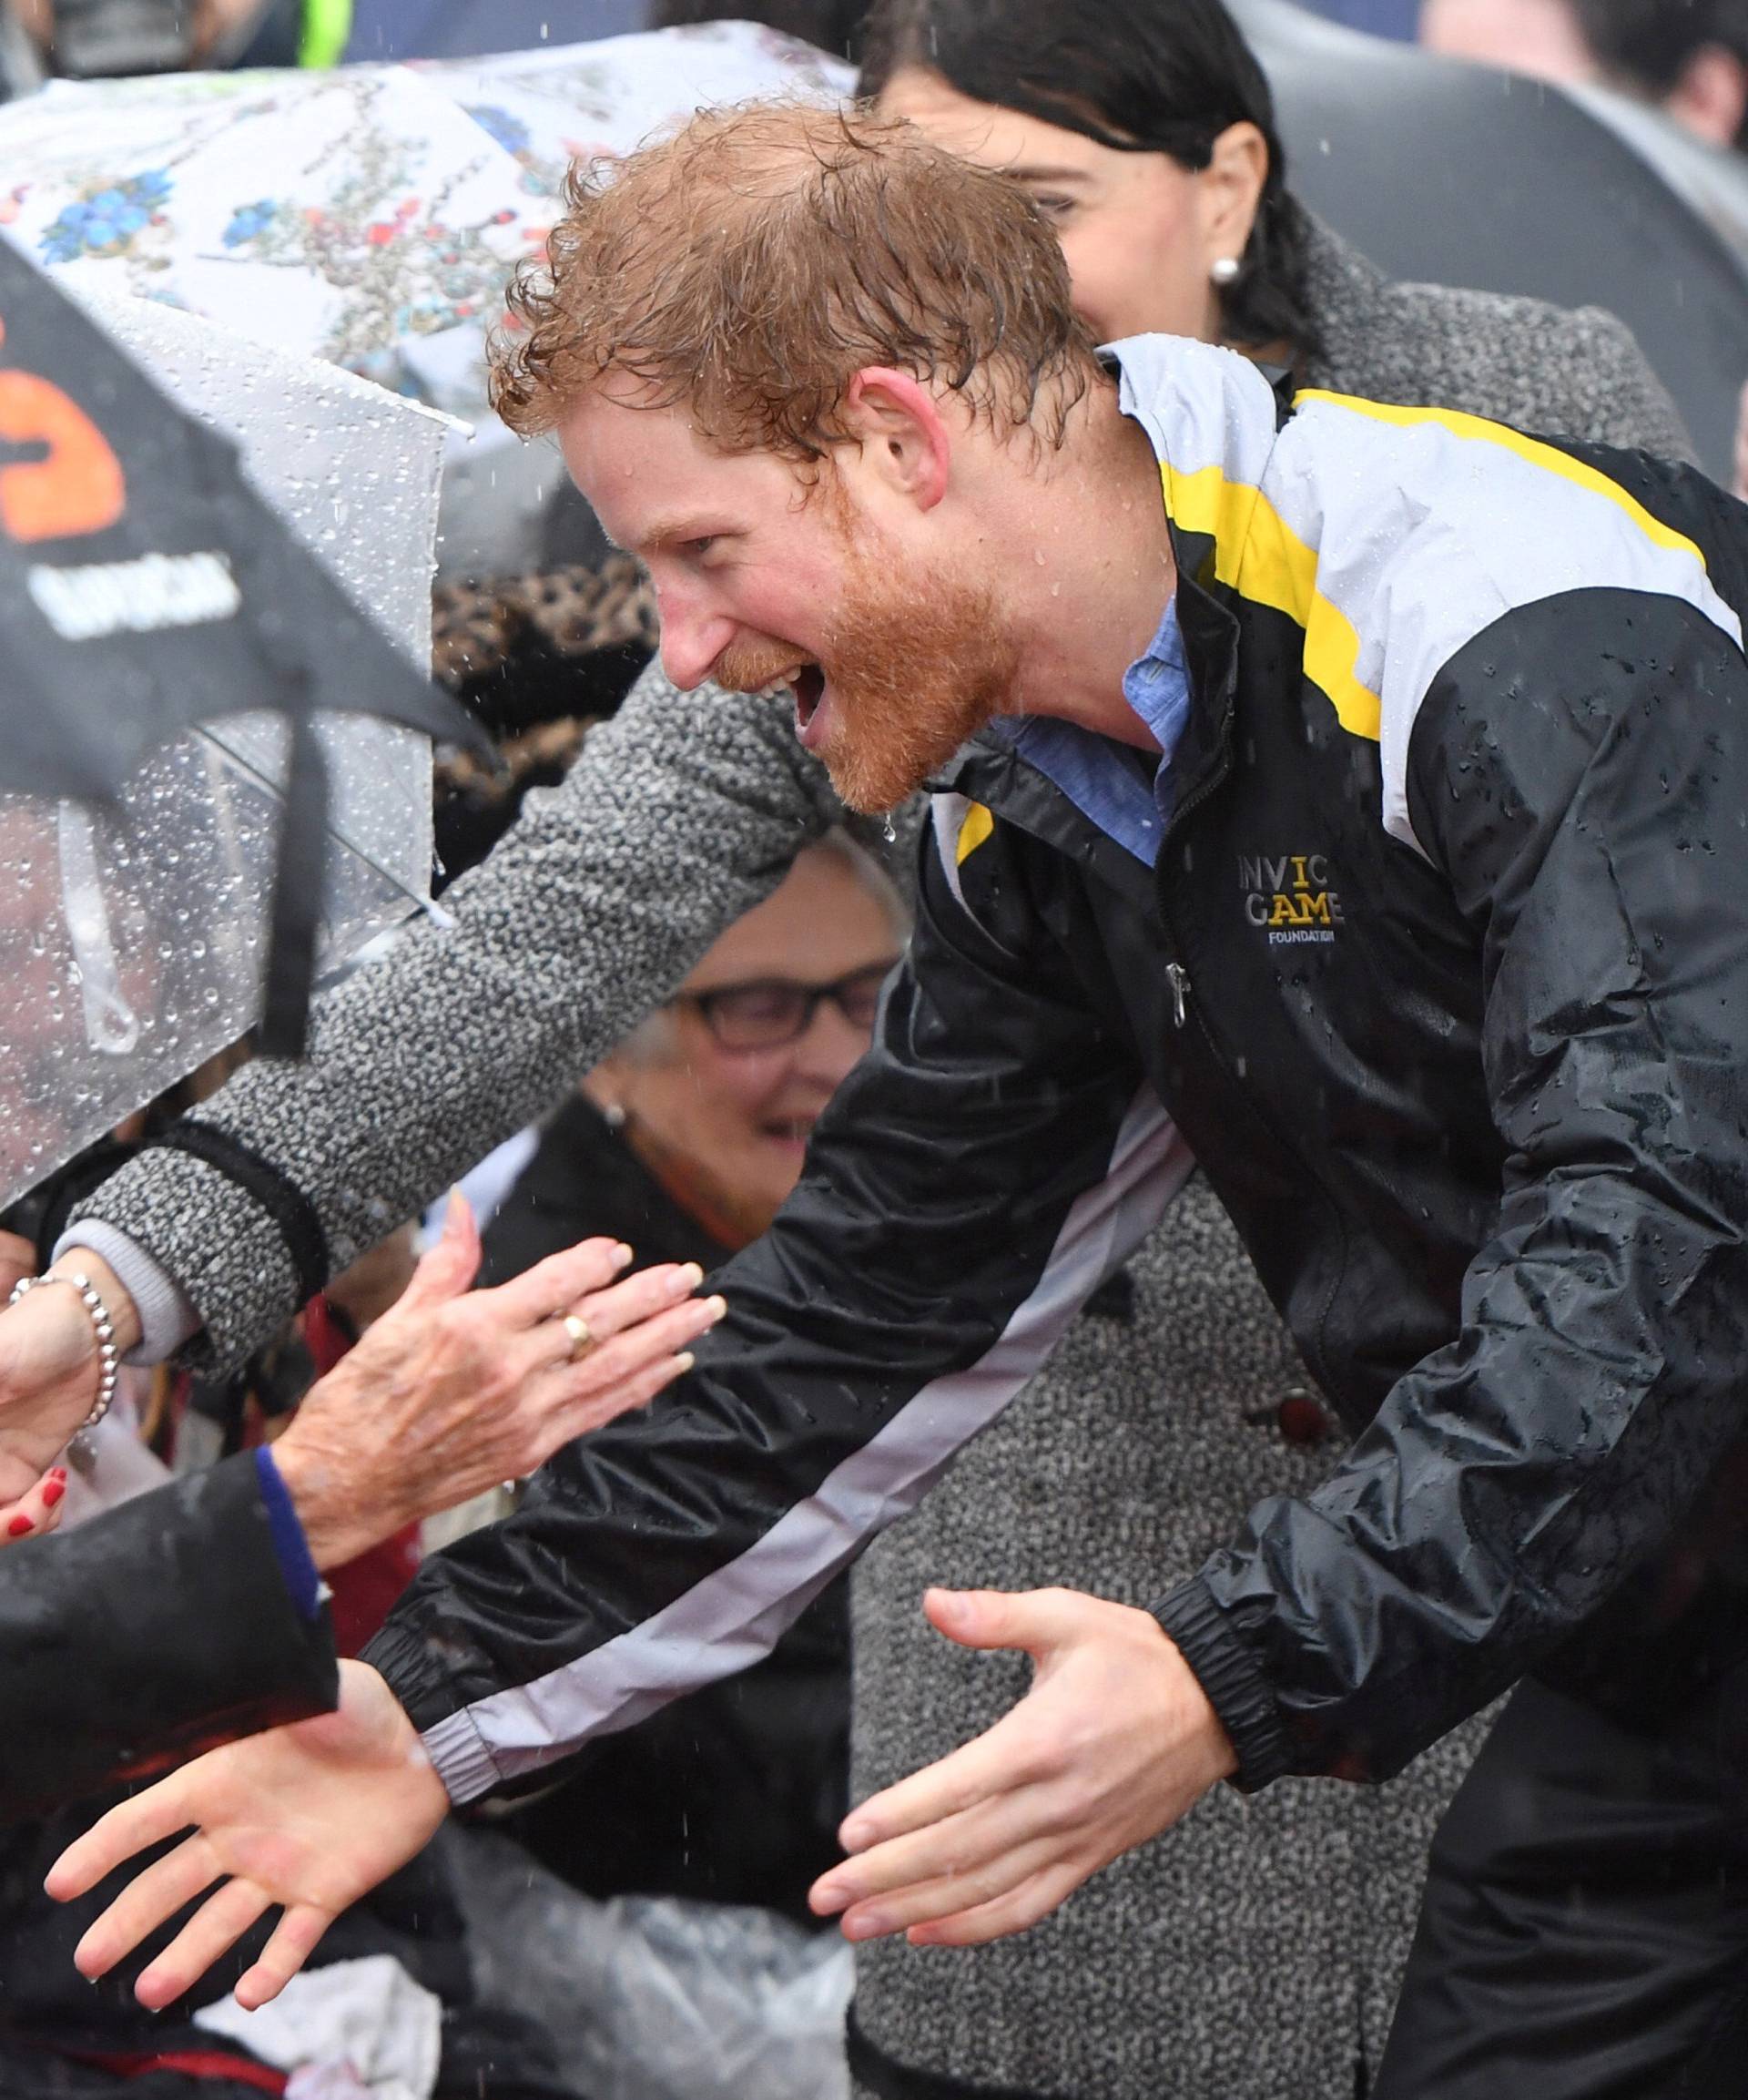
x=1211 y=418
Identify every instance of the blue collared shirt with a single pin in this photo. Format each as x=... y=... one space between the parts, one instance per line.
x=1126 y=792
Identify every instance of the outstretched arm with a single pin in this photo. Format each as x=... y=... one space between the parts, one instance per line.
x=979 y=1174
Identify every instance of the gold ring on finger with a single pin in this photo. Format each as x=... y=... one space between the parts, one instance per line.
x=582 y=1339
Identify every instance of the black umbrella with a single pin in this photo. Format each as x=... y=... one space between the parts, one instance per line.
x=1458 y=174
x=145 y=587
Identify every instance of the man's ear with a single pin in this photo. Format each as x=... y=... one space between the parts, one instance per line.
x=905 y=443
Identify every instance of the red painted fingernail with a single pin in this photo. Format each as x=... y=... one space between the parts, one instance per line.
x=19 y=1527
x=58 y=1473
x=53 y=1493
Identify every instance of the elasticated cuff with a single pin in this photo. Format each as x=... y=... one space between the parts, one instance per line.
x=460 y=1759
x=456 y=1748
x=1236 y=1688
x=225 y=1253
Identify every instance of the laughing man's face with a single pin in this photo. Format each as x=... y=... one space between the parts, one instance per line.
x=760 y=579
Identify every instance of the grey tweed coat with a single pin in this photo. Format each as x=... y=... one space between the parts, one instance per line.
x=1251 y=1955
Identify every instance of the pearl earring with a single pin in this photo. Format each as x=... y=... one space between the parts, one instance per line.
x=1223 y=269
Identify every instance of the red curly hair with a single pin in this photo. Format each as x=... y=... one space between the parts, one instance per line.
x=754 y=262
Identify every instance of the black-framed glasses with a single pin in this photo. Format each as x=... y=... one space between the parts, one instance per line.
x=766 y=1012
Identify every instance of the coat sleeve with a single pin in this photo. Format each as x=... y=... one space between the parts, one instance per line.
x=121 y=1654
x=984 y=1168
x=682 y=813
x=1515 y=1504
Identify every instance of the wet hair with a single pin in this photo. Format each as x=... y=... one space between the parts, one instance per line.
x=751 y=264
x=1148 y=76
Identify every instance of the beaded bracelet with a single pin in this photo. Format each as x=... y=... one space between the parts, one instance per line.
x=108 y=1356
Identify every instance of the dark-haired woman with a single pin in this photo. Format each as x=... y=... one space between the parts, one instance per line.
x=1146 y=135
x=1254 y=1953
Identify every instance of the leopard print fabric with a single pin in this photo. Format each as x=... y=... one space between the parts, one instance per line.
x=478 y=630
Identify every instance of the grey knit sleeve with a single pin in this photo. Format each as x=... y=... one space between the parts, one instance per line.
x=681 y=813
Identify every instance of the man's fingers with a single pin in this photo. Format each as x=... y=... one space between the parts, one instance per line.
x=970 y=1861
x=131 y=1827
x=1015 y=1909
x=295 y=1938
x=962 y=1844
x=989 y=1766
x=554 y=1285
x=214 y=1929
x=165 y=1887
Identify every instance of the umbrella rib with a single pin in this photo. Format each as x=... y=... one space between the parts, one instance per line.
x=427 y=905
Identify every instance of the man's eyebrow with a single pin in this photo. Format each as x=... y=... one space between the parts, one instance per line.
x=672 y=530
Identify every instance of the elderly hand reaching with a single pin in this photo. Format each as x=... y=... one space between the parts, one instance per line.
x=453 y=1390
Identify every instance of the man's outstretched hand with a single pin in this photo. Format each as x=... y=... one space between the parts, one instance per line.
x=1114 y=1743
x=308 y=1818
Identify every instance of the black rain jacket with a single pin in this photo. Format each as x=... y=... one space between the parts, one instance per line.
x=1441 y=974
x=149 y=1633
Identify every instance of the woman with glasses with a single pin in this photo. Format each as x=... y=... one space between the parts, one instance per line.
x=684 y=1142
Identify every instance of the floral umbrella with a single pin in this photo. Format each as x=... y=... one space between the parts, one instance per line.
x=369 y=214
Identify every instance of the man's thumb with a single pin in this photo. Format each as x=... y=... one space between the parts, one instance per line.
x=993 y=1618
x=446 y=1269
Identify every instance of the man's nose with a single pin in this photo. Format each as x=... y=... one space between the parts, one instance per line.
x=692 y=638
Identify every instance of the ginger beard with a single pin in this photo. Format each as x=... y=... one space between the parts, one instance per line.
x=917 y=665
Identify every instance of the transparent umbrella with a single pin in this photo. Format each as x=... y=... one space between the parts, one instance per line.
x=133 y=933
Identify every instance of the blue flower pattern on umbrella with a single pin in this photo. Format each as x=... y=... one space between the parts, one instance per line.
x=250 y=221
x=106 y=221
x=510 y=131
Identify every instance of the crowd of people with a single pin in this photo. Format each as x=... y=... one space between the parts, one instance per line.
x=1109 y=1266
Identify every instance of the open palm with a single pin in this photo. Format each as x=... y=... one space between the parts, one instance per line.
x=308 y=1818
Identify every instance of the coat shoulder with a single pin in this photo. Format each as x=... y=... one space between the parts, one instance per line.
x=1558 y=371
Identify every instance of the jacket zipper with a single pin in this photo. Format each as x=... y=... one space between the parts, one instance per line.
x=1178 y=978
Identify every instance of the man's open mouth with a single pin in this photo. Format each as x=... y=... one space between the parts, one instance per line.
x=808 y=686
